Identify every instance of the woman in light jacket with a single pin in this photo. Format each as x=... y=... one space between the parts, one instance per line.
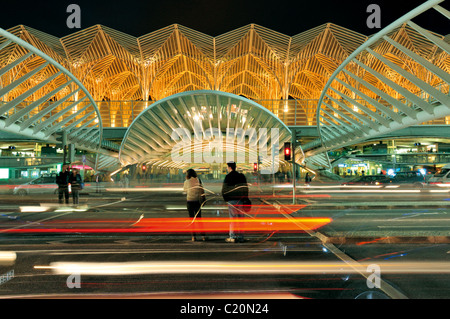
x=194 y=192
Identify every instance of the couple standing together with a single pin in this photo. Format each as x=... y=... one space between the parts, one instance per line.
x=66 y=177
x=234 y=192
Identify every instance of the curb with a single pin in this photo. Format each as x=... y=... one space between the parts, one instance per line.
x=380 y=204
x=386 y=240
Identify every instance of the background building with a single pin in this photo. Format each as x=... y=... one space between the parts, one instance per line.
x=126 y=74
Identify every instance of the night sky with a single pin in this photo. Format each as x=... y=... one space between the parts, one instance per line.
x=212 y=17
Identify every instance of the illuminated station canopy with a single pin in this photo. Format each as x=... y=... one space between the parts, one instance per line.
x=351 y=86
x=123 y=72
x=253 y=61
x=212 y=123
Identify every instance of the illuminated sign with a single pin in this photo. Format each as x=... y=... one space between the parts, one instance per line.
x=4 y=173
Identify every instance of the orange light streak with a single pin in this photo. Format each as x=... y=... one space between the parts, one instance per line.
x=207 y=225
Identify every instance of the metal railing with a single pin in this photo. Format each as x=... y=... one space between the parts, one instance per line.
x=406 y=159
x=17 y=161
x=40 y=161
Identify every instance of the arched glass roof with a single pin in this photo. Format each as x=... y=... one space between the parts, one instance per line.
x=40 y=98
x=204 y=119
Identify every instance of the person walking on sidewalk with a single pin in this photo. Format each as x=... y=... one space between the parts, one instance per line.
x=234 y=192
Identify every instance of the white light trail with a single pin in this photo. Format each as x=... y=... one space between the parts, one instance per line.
x=207 y=267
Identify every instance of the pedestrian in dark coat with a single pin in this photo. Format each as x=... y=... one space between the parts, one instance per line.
x=234 y=192
x=62 y=180
x=76 y=185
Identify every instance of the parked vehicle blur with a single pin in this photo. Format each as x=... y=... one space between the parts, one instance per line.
x=45 y=184
x=408 y=179
x=442 y=177
x=368 y=180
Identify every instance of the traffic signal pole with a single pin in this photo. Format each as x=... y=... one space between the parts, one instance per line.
x=293 y=142
x=64 y=146
x=273 y=167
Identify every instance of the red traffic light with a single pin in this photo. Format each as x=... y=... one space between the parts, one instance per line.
x=144 y=168
x=255 y=167
x=287 y=151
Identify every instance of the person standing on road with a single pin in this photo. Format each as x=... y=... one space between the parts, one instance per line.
x=62 y=180
x=125 y=183
x=138 y=176
x=308 y=179
x=195 y=197
x=76 y=185
x=234 y=192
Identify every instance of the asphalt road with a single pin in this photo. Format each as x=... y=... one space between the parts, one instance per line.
x=408 y=242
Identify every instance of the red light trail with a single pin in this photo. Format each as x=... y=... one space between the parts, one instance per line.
x=187 y=225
